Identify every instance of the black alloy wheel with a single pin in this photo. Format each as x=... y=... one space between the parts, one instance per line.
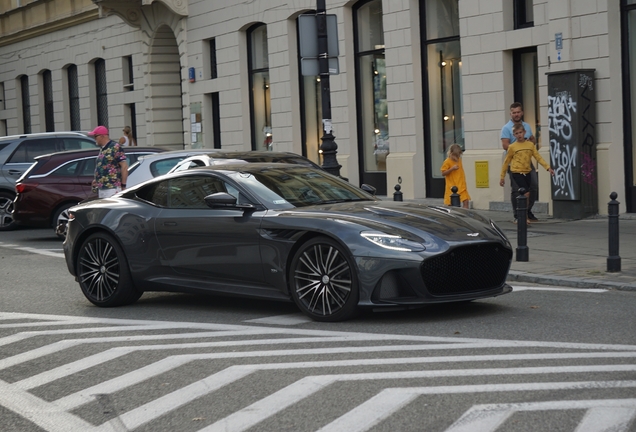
x=103 y=272
x=324 y=283
x=6 y=211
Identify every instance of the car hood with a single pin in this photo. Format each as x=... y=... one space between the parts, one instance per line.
x=449 y=224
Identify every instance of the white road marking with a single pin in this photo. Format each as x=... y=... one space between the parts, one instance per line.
x=246 y=336
x=40 y=412
x=35 y=251
x=388 y=401
x=534 y=288
x=285 y=320
x=121 y=382
x=602 y=414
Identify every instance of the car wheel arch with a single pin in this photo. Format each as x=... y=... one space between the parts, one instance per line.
x=307 y=236
x=79 y=241
x=56 y=210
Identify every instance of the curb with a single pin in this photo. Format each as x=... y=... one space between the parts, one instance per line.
x=568 y=281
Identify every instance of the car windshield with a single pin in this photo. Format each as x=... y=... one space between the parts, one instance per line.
x=288 y=187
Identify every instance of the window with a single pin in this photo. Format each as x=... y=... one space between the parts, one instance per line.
x=2 y=105
x=127 y=69
x=88 y=169
x=76 y=144
x=524 y=15
x=213 y=69
x=628 y=29
x=216 y=119
x=260 y=102
x=443 y=91
x=182 y=193
x=73 y=97
x=29 y=149
x=26 y=104
x=373 y=114
x=101 y=93
x=68 y=169
x=526 y=87
x=47 y=87
x=311 y=112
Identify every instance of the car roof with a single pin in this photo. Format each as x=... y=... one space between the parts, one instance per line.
x=44 y=135
x=181 y=152
x=245 y=167
x=88 y=152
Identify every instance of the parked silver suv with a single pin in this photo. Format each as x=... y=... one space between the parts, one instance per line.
x=17 y=154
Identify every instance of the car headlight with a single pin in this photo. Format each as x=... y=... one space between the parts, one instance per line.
x=393 y=242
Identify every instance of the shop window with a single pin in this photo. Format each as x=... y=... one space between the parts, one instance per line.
x=443 y=90
x=373 y=123
x=260 y=100
x=311 y=110
x=526 y=87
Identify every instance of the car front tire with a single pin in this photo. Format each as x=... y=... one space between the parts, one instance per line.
x=6 y=212
x=103 y=272
x=323 y=279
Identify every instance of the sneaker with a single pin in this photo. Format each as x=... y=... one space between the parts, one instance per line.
x=532 y=217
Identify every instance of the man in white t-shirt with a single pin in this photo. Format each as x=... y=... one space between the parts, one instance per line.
x=507 y=138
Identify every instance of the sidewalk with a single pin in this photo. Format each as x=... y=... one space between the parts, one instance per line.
x=570 y=253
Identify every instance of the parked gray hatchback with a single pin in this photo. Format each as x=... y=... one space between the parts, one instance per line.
x=17 y=154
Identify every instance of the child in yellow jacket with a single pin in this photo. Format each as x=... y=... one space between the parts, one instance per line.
x=519 y=157
x=453 y=172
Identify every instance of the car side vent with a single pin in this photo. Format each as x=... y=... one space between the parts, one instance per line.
x=280 y=234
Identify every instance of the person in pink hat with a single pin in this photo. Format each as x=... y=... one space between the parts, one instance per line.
x=111 y=167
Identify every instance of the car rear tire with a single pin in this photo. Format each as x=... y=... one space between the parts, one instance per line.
x=60 y=220
x=324 y=282
x=103 y=272
x=6 y=211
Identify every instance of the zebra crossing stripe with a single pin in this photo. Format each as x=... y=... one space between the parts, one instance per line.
x=601 y=415
x=255 y=413
x=41 y=413
x=119 y=383
x=388 y=401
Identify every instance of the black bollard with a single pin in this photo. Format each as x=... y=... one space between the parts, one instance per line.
x=613 y=260
x=522 y=226
x=455 y=202
x=397 y=195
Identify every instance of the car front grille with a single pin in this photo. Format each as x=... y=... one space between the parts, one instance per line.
x=466 y=269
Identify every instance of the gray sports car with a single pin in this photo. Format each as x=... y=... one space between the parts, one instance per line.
x=282 y=232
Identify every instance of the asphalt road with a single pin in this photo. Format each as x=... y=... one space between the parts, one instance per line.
x=540 y=358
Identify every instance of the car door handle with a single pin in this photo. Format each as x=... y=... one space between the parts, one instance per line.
x=14 y=172
x=169 y=224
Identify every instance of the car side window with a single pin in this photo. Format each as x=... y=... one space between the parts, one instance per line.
x=190 y=192
x=88 y=169
x=76 y=144
x=67 y=170
x=156 y=193
x=163 y=166
x=29 y=149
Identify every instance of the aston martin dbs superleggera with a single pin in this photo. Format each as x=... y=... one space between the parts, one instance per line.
x=282 y=232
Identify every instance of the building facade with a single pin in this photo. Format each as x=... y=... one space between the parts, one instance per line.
x=413 y=77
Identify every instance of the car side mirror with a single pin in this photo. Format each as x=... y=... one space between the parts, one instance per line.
x=368 y=188
x=223 y=200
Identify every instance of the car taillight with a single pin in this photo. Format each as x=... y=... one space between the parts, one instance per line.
x=25 y=187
